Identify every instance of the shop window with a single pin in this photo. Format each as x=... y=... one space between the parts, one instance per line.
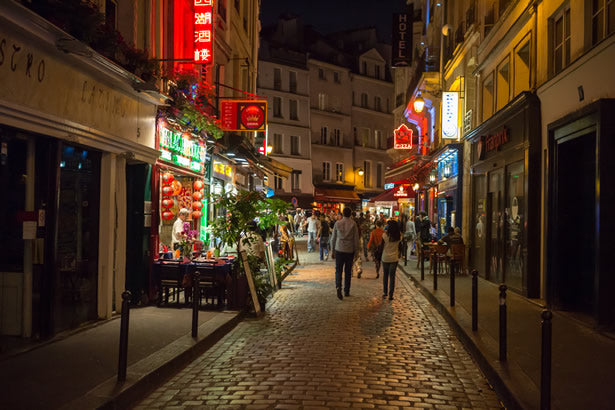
x=367 y=174
x=323 y=135
x=515 y=221
x=339 y=172
x=522 y=66
x=294 y=145
x=293 y=110
x=560 y=41
x=292 y=82
x=379 y=174
x=277 y=79
x=503 y=84
x=488 y=97
x=326 y=171
x=277 y=144
x=603 y=19
x=277 y=107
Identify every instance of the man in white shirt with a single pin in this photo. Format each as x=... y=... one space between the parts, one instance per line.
x=178 y=234
x=312 y=228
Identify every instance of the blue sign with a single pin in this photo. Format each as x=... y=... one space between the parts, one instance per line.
x=294 y=201
x=389 y=186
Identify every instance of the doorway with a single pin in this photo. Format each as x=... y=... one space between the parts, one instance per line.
x=495 y=225
x=574 y=239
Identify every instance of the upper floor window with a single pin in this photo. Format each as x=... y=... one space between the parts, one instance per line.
x=321 y=74
x=488 y=97
x=367 y=174
x=377 y=104
x=323 y=135
x=294 y=145
x=111 y=13
x=522 y=66
x=326 y=171
x=277 y=79
x=339 y=172
x=292 y=82
x=379 y=174
x=603 y=19
x=560 y=46
x=363 y=100
x=322 y=101
x=337 y=137
x=377 y=73
x=277 y=144
x=363 y=139
x=295 y=181
x=378 y=140
x=503 y=83
x=277 y=107
x=278 y=183
x=336 y=77
x=364 y=68
x=292 y=106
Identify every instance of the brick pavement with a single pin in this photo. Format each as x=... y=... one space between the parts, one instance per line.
x=313 y=351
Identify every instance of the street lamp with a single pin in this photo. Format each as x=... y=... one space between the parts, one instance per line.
x=360 y=172
x=419 y=103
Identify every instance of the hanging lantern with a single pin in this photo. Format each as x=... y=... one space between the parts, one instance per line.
x=197 y=205
x=167 y=203
x=198 y=185
x=177 y=187
x=167 y=191
x=167 y=215
x=197 y=195
x=197 y=214
x=167 y=178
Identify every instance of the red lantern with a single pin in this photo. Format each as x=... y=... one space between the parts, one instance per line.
x=177 y=187
x=167 y=203
x=197 y=195
x=198 y=185
x=197 y=205
x=167 y=178
x=167 y=191
x=197 y=214
x=167 y=215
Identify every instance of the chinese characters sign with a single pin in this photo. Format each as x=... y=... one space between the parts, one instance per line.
x=243 y=115
x=403 y=137
x=450 y=112
x=181 y=149
x=203 y=31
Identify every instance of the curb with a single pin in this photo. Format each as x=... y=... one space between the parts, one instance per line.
x=146 y=375
x=490 y=372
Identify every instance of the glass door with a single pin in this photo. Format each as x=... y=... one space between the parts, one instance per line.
x=479 y=233
x=495 y=215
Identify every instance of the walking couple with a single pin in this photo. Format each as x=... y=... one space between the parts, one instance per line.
x=346 y=243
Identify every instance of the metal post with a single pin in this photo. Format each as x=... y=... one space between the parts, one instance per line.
x=123 y=358
x=474 y=300
x=422 y=256
x=452 y=283
x=503 y=322
x=196 y=298
x=545 y=360
x=434 y=262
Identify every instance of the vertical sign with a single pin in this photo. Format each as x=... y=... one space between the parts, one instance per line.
x=402 y=39
x=450 y=112
x=203 y=31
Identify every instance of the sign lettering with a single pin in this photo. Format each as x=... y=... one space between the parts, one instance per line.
x=402 y=39
x=450 y=115
x=203 y=31
x=243 y=115
x=402 y=137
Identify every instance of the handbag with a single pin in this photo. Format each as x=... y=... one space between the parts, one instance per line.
x=379 y=249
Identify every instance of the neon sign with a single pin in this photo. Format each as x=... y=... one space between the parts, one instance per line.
x=223 y=170
x=181 y=149
x=450 y=113
x=400 y=193
x=403 y=137
x=203 y=31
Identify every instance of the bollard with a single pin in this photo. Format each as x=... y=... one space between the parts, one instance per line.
x=434 y=261
x=123 y=358
x=452 y=279
x=503 y=322
x=545 y=360
x=474 y=300
x=422 y=256
x=196 y=298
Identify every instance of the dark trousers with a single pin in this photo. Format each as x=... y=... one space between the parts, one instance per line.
x=343 y=261
x=388 y=277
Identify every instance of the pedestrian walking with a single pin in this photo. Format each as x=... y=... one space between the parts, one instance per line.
x=365 y=229
x=409 y=236
x=390 y=256
x=323 y=238
x=312 y=229
x=357 y=263
x=346 y=244
x=375 y=245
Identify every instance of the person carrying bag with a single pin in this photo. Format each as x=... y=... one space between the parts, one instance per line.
x=376 y=245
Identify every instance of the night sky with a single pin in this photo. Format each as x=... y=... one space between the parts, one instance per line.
x=336 y=15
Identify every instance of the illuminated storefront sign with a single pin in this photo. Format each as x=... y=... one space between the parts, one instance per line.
x=181 y=149
x=222 y=170
x=203 y=31
x=401 y=192
x=403 y=137
x=243 y=115
x=389 y=186
x=450 y=115
x=402 y=40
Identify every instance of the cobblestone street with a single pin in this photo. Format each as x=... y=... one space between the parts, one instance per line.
x=311 y=350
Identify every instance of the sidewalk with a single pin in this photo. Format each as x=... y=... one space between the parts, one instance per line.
x=79 y=371
x=583 y=360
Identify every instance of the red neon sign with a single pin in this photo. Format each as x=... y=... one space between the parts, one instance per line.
x=403 y=137
x=400 y=193
x=203 y=31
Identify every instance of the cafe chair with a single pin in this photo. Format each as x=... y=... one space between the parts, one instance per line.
x=440 y=257
x=457 y=257
x=169 y=281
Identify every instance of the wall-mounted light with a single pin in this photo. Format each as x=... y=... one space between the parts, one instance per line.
x=416 y=187
x=432 y=178
x=360 y=171
x=269 y=149
x=419 y=103
x=447 y=171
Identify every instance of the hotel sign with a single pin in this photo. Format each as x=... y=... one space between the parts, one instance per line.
x=450 y=115
x=203 y=31
x=402 y=40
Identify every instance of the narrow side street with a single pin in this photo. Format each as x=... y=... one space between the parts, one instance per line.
x=312 y=350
